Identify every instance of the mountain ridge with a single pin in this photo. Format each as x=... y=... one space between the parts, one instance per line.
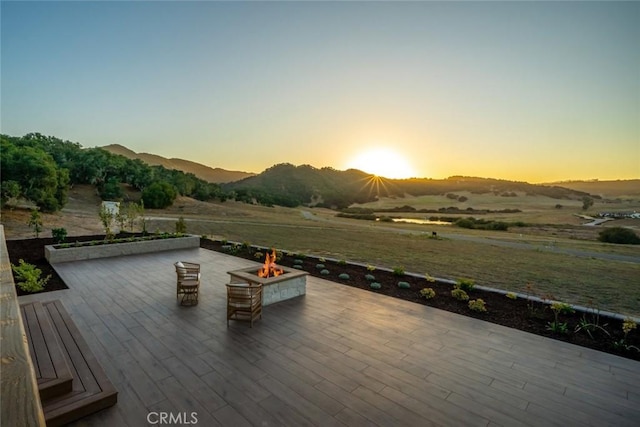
x=207 y=173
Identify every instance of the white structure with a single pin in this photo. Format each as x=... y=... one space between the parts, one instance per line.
x=112 y=207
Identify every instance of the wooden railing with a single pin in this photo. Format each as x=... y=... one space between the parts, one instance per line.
x=19 y=397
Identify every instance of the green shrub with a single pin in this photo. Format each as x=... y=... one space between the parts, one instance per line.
x=28 y=277
x=181 y=226
x=342 y=262
x=404 y=285
x=477 y=305
x=35 y=222
x=298 y=261
x=465 y=284
x=459 y=294
x=159 y=195
x=370 y=277
x=398 y=271
x=231 y=249
x=427 y=293
x=429 y=278
x=511 y=295
x=375 y=285
x=320 y=266
x=258 y=255
x=298 y=266
x=371 y=268
x=619 y=235
x=344 y=276
x=324 y=272
x=59 y=234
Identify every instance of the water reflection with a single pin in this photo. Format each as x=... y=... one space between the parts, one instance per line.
x=420 y=221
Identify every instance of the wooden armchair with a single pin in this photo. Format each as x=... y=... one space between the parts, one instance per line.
x=188 y=282
x=244 y=302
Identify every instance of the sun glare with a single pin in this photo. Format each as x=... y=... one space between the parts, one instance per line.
x=383 y=162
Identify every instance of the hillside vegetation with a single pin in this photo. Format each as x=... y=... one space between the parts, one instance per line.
x=215 y=175
x=42 y=169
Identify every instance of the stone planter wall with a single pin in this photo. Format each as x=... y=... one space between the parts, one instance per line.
x=78 y=253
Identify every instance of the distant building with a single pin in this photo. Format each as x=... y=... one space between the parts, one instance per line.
x=112 y=207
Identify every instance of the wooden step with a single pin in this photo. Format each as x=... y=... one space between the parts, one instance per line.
x=91 y=390
x=52 y=371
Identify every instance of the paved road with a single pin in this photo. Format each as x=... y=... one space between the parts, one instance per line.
x=548 y=246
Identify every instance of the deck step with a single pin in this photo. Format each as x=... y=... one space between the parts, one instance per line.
x=91 y=390
x=52 y=371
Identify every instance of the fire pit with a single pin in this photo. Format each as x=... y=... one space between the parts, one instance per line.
x=278 y=283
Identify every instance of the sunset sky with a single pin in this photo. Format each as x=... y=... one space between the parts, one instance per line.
x=533 y=91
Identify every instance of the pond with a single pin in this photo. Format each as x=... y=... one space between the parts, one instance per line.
x=420 y=221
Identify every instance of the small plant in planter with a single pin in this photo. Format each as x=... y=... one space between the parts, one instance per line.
x=28 y=277
x=427 y=293
x=375 y=285
x=369 y=277
x=298 y=261
x=557 y=326
x=342 y=262
x=59 y=234
x=371 y=268
x=459 y=294
x=477 y=305
x=404 y=285
x=321 y=259
x=258 y=255
x=35 y=222
x=181 y=226
x=343 y=276
x=465 y=284
x=320 y=266
x=429 y=278
x=324 y=272
x=511 y=295
x=628 y=325
x=398 y=271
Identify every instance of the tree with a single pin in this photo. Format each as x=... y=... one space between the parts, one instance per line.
x=35 y=222
x=39 y=178
x=10 y=190
x=587 y=202
x=106 y=218
x=159 y=195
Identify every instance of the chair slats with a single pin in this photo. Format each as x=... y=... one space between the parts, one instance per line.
x=244 y=302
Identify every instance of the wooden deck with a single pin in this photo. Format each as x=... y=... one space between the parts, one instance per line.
x=71 y=382
x=338 y=356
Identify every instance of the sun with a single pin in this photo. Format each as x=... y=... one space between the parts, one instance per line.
x=383 y=162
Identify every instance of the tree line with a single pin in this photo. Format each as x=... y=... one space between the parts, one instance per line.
x=42 y=169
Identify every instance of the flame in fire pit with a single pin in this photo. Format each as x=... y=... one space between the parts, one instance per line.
x=269 y=268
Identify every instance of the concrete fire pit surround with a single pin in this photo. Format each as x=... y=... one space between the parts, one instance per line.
x=291 y=284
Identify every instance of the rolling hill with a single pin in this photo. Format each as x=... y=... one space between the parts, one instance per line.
x=605 y=189
x=216 y=175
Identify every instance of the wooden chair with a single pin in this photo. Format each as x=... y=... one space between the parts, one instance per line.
x=244 y=302
x=188 y=282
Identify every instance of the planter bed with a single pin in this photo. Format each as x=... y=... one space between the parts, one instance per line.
x=526 y=312
x=103 y=249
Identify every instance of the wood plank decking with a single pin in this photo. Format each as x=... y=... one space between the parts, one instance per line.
x=71 y=382
x=337 y=357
